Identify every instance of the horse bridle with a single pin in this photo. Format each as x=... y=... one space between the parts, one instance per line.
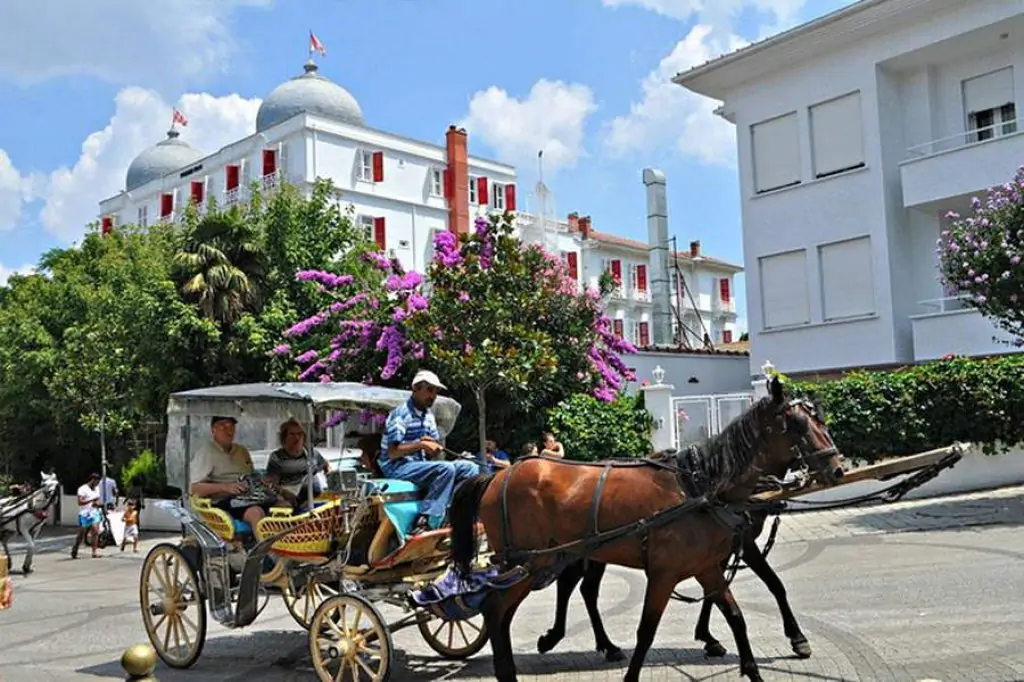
x=807 y=457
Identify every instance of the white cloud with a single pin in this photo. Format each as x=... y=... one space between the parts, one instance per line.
x=159 y=42
x=71 y=194
x=10 y=193
x=668 y=114
x=550 y=118
x=5 y=272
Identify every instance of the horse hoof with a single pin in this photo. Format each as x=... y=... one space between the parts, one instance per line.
x=614 y=655
x=801 y=647
x=714 y=650
x=546 y=643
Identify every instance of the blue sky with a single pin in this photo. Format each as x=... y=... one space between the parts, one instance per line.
x=584 y=79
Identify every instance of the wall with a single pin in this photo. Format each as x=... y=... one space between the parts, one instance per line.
x=715 y=373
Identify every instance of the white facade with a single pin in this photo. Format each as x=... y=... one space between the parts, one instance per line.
x=856 y=134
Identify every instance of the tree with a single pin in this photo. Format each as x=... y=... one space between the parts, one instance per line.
x=980 y=256
x=500 y=317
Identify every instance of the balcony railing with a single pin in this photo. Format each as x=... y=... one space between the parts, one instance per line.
x=948 y=304
x=643 y=295
x=269 y=181
x=232 y=196
x=966 y=139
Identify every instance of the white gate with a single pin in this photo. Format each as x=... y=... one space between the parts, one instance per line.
x=701 y=416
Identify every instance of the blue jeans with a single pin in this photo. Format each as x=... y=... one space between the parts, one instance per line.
x=437 y=478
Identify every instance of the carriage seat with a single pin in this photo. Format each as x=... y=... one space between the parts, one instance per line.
x=401 y=504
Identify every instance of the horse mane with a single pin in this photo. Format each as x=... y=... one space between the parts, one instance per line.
x=726 y=458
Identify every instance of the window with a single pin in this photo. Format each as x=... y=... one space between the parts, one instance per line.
x=847 y=279
x=498 y=200
x=990 y=107
x=365 y=170
x=775 y=147
x=727 y=336
x=366 y=225
x=643 y=334
x=142 y=219
x=436 y=182
x=837 y=136
x=617 y=328
x=784 y=295
x=641 y=277
x=472 y=190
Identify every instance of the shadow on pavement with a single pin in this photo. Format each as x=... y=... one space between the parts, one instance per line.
x=941 y=514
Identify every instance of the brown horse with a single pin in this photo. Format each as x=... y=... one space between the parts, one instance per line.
x=561 y=506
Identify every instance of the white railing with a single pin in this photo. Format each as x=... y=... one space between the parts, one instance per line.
x=702 y=416
x=965 y=139
x=949 y=304
x=642 y=295
x=269 y=181
x=231 y=196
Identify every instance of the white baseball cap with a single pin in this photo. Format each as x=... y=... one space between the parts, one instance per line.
x=428 y=377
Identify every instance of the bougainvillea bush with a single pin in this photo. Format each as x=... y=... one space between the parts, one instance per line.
x=980 y=256
x=492 y=315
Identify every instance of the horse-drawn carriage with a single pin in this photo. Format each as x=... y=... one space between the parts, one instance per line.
x=331 y=564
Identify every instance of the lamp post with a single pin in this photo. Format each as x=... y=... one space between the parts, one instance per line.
x=658 y=374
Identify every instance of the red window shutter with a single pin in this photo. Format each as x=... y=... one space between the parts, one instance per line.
x=723 y=288
x=106 y=225
x=510 y=197
x=641 y=278
x=617 y=270
x=572 y=258
x=617 y=327
x=233 y=173
x=378 y=166
x=727 y=336
x=269 y=161
x=166 y=205
x=449 y=187
x=645 y=334
x=197 y=191
x=481 y=191
x=378 y=232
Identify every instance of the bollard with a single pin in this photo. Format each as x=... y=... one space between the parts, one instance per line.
x=139 y=661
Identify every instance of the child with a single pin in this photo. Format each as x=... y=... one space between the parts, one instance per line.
x=529 y=449
x=131 y=526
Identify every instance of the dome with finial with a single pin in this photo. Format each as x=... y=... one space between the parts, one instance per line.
x=309 y=93
x=163 y=158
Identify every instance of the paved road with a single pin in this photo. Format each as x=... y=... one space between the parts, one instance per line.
x=879 y=604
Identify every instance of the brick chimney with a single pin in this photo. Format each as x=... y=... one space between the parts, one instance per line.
x=694 y=249
x=574 y=222
x=457 y=180
x=585 y=226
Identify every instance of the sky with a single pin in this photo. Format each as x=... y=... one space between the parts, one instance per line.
x=84 y=87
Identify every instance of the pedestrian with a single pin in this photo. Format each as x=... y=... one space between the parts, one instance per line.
x=109 y=493
x=89 y=517
x=131 y=526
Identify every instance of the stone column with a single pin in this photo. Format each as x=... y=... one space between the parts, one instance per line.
x=760 y=383
x=658 y=400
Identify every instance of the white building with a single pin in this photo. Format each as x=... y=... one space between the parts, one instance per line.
x=403 y=191
x=857 y=133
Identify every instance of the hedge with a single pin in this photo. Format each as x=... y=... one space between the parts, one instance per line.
x=923 y=407
x=590 y=429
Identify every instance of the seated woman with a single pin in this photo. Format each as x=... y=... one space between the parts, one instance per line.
x=288 y=466
x=551 y=447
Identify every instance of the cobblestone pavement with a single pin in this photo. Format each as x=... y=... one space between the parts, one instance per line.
x=879 y=604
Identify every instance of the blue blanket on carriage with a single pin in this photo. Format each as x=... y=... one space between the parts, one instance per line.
x=455 y=598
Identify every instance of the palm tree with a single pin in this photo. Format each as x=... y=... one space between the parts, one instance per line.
x=221 y=266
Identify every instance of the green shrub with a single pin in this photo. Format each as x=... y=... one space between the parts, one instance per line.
x=927 y=406
x=590 y=429
x=147 y=471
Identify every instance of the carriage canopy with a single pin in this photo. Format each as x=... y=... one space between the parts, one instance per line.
x=261 y=407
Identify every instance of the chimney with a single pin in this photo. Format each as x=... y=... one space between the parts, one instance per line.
x=574 y=222
x=585 y=226
x=657 y=238
x=457 y=192
x=694 y=249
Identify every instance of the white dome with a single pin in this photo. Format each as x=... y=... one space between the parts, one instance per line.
x=161 y=159
x=309 y=93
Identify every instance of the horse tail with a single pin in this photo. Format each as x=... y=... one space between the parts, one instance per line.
x=463 y=513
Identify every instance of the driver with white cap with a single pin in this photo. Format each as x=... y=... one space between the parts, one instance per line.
x=410 y=435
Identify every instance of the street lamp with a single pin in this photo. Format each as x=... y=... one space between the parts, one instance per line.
x=658 y=375
x=767 y=369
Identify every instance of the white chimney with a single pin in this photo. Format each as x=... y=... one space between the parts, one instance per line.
x=657 y=237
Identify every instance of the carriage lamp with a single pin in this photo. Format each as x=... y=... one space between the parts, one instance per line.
x=658 y=374
x=139 y=661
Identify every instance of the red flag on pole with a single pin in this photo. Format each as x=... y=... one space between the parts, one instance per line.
x=316 y=46
x=178 y=118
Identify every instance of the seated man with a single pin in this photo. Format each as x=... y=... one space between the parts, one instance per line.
x=288 y=466
x=218 y=470
x=410 y=434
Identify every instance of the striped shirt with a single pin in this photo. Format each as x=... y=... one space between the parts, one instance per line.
x=293 y=470
x=406 y=424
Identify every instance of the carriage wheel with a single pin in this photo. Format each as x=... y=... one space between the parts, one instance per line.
x=303 y=602
x=168 y=591
x=349 y=641
x=455 y=639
